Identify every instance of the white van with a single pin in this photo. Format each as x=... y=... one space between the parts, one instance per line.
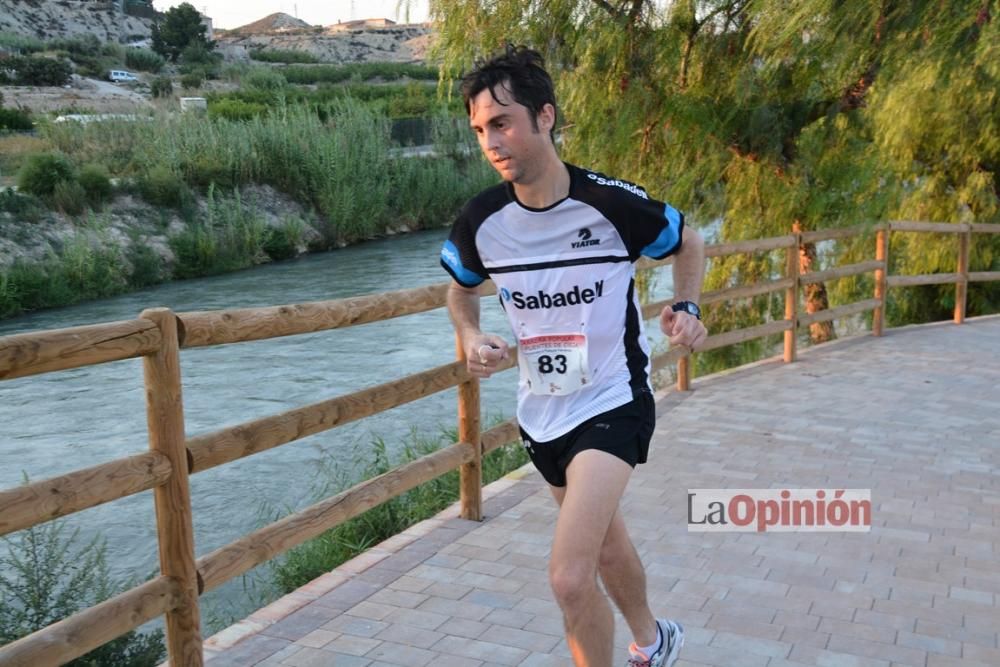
x=121 y=76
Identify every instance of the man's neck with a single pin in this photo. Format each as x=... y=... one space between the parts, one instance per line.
x=551 y=187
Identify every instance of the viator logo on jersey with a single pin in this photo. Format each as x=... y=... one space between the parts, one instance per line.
x=585 y=240
x=573 y=297
x=631 y=187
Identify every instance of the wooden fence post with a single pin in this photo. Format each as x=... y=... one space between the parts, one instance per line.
x=469 y=431
x=165 y=419
x=684 y=372
x=882 y=255
x=962 y=286
x=792 y=293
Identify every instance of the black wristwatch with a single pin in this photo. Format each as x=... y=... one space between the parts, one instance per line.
x=689 y=307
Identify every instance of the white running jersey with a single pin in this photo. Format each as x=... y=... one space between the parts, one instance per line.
x=565 y=278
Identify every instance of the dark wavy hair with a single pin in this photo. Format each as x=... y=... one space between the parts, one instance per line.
x=521 y=71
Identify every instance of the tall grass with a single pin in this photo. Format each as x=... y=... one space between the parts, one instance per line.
x=282 y=56
x=358 y=72
x=341 y=165
x=318 y=556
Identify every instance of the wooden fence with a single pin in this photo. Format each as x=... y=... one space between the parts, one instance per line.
x=158 y=335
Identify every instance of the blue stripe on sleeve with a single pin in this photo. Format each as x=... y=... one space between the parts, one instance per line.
x=668 y=238
x=452 y=262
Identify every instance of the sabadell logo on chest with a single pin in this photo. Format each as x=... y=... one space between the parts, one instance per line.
x=541 y=299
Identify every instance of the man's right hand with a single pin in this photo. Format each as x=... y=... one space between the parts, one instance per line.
x=483 y=354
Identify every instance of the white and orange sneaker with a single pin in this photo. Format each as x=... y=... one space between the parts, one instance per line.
x=672 y=633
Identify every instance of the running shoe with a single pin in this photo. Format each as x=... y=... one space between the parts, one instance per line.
x=673 y=639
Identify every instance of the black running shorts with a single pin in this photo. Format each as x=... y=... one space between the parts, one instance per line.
x=624 y=432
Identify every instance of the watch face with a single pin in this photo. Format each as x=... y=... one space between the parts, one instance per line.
x=693 y=309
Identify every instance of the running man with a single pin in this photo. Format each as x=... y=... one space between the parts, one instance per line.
x=560 y=243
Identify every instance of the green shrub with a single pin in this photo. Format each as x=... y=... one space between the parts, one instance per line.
x=15 y=120
x=21 y=43
x=78 y=45
x=161 y=186
x=236 y=110
x=144 y=60
x=207 y=170
x=22 y=206
x=264 y=79
x=193 y=80
x=42 y=172
x=40 y=71
x=161 y=86
x=359 y=72
x=69 y=197
x=146 y=267
x=231 y=236
x=96 y=184
x=46 y=577
x=285 y=240
x=282 y=56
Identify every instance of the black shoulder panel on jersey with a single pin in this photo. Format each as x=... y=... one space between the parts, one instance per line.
x=646 y=225
x=459 y=256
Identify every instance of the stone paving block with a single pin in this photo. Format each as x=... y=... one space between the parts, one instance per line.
x=249 y=651
x=351 y=645
x=311 y=657
x=463 y=627
x=419 y=618
x=409 y=636
x=301 y=622
x=355 y=625
x=744 y=624
x=318 y=638
x=526 y=639
x=879 y=650
x=481 y=650
x=372 y=610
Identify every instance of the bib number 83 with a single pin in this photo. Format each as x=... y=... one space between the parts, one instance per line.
x=552 y=364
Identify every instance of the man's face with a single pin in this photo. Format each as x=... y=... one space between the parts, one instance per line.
x=510 y=141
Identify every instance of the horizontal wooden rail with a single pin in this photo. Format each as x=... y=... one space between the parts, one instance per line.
x=236 y=442
x=926 y=279
x=840 y=311
x=651 y=310
x=31 y=504
x=936 y=227
x=262 y=545
x=88 y=629
x=44 y=351
x=833 y=234
x=986 y=227
x=983 y=276
x=753 y=245
x=500 y=435
x=743 y=335
x=745 y=291
x=219 y=327
x=841 y=272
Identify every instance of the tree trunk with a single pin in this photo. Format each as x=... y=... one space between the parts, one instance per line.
x=815 y=295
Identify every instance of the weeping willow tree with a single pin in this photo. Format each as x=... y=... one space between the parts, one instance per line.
x=762 y=114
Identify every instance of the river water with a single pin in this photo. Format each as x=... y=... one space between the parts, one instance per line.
x=59 y=422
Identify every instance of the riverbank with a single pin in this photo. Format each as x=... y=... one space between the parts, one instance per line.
x=196 y=197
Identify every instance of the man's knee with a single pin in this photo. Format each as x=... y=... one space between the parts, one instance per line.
x=573 y=582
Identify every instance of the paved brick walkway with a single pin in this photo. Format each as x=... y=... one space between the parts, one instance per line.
x=915 y=416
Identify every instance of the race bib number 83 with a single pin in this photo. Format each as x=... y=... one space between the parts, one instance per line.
x=554 y=364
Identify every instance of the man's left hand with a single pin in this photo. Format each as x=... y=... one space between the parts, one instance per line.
x=682 y=328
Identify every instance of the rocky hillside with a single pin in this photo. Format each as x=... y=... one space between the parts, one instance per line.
x=358 y=41
x=49 y=19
